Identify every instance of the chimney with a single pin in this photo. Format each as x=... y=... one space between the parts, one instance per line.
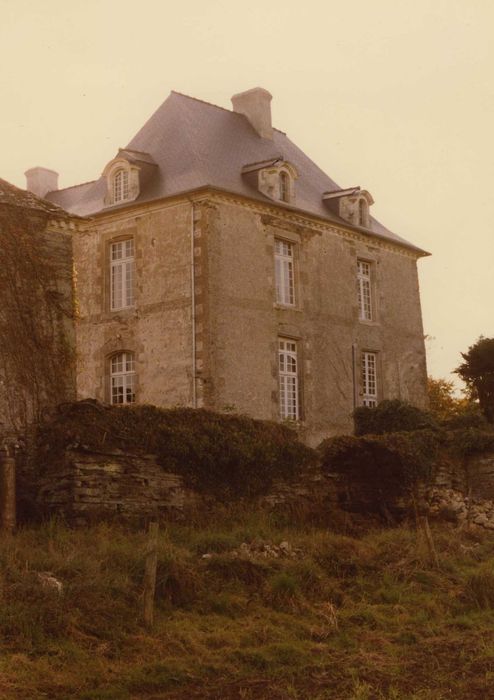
x=255 y=104
x=40 y=181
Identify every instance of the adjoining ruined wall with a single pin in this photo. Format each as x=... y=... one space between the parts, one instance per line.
x=37 y=342
x=241 y=367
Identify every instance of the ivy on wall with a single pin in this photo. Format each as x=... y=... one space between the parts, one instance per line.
x=36 y=346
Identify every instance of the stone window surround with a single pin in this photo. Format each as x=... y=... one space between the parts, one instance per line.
x=295 y=240
x=286 y=351
x=365 y=397
x=125 y=264
x=370 y=279
x=269 y=182
x=125 y=374
x=106 y=241
x=114 y=167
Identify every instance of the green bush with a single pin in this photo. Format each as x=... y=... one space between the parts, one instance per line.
x=391 y=417
x=216 y=453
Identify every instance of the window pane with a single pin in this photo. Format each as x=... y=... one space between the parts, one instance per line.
x=288 y=380
x=284 y=273
x=122 y=274
x=364 y=290
x=122 y=378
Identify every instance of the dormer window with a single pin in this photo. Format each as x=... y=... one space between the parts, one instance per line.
x=120 y=186
x=275 y=179
x=351 y=205
x=122 y=181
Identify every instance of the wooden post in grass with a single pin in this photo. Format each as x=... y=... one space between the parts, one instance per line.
x=150 y=568
x=7 y=485
x=421 y=515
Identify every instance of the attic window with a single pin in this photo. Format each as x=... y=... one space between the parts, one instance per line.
x=363 y=212
x=122 y=181
x=120 y=186
x=284 y=186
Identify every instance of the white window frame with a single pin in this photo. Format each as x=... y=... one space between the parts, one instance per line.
x=369 y=379
x=289 y=395
x=120 y=186
x=122 y=274
x=122 y=378
x=284 y=272
x=364 y=290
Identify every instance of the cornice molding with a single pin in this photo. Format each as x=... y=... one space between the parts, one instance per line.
x=282 y=214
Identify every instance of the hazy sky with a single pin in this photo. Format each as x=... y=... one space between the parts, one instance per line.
x=394 y=96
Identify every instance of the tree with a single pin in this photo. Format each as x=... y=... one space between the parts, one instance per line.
x=443 y=404
x=477 y=371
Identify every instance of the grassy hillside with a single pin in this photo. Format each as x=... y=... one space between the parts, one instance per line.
x=332 y=616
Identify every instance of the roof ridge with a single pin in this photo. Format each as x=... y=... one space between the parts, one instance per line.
x=71 y=187
x=205 y=102
x=210 y=104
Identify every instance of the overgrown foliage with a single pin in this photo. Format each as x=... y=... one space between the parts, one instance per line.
x=391 y=416
x=216 y=453
x=386 y=467
x=477 y=371
x=35 y=350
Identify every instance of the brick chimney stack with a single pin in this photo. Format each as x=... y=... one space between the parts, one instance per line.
x=40 y=181
x=255 y=104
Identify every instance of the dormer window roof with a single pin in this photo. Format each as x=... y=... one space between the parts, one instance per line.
x=273 y=178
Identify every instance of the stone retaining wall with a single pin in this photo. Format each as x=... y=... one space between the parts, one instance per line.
x=89 y=486
x=92 y=486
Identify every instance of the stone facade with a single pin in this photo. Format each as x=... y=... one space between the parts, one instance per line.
x=237 y=323
x=205 y=321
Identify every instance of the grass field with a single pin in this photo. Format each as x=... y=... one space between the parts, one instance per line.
x=347 y=618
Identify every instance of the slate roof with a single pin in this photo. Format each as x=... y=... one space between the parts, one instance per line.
x=196 y=144
x=14 y=196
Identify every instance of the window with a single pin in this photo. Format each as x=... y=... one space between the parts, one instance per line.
x=364 y=290
x=120 y=186
x=288 y=379
x=122 y=378
x=362 y=212
x=284 y=272
x=122 y=274
x=284 y=186
x=369 y=379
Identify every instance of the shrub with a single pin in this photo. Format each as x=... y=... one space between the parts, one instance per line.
x=217 y=453
x=383 y=468
x=391 y=417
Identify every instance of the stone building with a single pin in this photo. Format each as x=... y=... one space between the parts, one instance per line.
x=37 y=335
x=220 y=267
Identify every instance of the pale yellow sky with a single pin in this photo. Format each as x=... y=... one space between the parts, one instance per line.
x=396 y=97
